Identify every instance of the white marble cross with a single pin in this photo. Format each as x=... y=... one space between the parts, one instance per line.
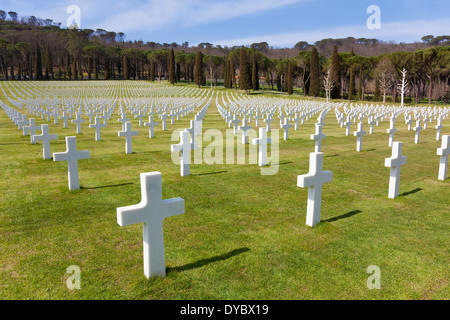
x=296 y=120
x=141 y=116
x=359 y=136
x=395 y=162
x=150 y=124
x=371 y=123
x=163 y=121
x=314 y=180
x=443 y=151
x=128 y=134
x=194 y=130
x=392 y=130
x=425 y=122
x=438 y=127
x=244 y=128
x=235 y=123
x=409 y=122
x=22 y=122
x=286 y=127
x=262 y=141
x=257 y=117
x=151 y=211
x=122 y=119
x=64 y=117
x=97 y=126
x=31 y=127
x=417 y=129
x=268 y=120
x=184 y=147
x=78 y=120
x=347 y=124
x=71 y=155
x=45 y=137
x=318 y=136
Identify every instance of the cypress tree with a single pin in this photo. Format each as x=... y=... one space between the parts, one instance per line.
x=74 y=69
x=244 y=72
x=255 y=77
x=80 y=70
x=351 y=86
x=377 y=93
x=232 y=75
x=172 y=74
x=360 y=84
x=198 y=69
x=106 y=71
x=125 y=68
x=289 y=80
x=89 y=66
x=226 y=74
x=314 y=86
x=38 y=63
x=49 y=64
x=335 y=74
x=178 y=72
x=152 y=70
x=68 y=68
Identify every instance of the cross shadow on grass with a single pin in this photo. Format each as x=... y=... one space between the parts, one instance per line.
x=343 y=216
x=404 y=194
x=207 y=173
x=287 y=162
x=203 y=262
x=108 y=186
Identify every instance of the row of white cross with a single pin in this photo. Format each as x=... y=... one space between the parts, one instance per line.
x=152 y=209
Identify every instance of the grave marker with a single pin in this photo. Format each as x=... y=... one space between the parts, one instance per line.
x=71 y=155
x=151 y=211
x=314 y=181
x=395 y=162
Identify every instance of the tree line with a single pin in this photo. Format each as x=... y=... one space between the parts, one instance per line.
x=38 y=49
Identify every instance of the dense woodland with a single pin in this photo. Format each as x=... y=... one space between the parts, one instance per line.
x=362 y=69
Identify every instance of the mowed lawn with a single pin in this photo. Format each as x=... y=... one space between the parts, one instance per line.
x=243 y=234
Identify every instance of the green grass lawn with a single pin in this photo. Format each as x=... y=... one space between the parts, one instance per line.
x=243 y=235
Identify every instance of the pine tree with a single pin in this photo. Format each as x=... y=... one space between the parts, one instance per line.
x=244 y=72
x=335 y=74
x=314 y=87
x=49 y=64
x=172 y=74
x=198 y=69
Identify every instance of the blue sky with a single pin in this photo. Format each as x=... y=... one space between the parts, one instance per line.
x=281 y=23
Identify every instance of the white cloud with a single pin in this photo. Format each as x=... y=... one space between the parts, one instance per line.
x=405 y=31
x=155 y=15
